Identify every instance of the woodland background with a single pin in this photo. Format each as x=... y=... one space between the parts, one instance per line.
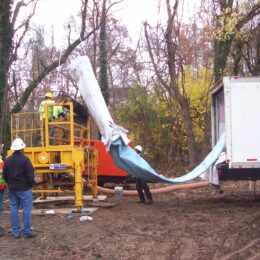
x=159 y=90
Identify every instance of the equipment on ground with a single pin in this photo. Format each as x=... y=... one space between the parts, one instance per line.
x=59 y=150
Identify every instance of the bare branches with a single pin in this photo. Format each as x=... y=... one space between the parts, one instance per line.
x=63 y=58
x=174 y=64
x=16 y=11
x=252 y=52
x=171 y=37
x=163 y=82
x=24 y=26
x=20 y=4
x=249 y=16
x=83 y=18
x=228 y=31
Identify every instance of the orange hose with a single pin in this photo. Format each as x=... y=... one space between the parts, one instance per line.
x=159 y=190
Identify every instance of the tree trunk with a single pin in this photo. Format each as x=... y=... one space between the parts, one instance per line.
x=103 y=74
x=188 y=125
x=223 y=43
x=237 y=57
x=5 y=52
x=221 y=52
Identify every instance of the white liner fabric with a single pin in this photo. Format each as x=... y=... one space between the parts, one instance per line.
x=211 y=174
x=115 y=137
x=82 y=73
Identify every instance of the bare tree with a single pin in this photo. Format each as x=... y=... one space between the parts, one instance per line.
x=54 y=64
x=174 y=65
x=251 y=50
x=9 y=47
x=228 y=24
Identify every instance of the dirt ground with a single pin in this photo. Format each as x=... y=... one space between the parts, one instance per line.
x=188 y=224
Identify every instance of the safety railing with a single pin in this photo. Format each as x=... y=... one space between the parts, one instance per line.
x=48 y=132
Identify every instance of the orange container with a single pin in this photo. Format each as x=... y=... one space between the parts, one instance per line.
x=107 y=170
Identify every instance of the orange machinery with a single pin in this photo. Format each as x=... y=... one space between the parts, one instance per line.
x=106 y=169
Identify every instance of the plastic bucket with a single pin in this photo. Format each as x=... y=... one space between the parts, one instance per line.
x=119 y=192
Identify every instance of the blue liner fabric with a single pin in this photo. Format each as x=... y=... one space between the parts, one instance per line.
x=128 y=160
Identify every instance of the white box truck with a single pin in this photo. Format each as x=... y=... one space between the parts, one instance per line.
x=235 y=110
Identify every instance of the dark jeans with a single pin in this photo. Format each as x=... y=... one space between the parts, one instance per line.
x=2 y=233
x=1 y=202
x=143 y=190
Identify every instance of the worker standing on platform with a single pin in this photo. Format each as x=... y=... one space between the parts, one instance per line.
x=143 y=190
x=19 y=175
x=58 y=112
x=54 y=112
x=48 y=99
x=2 y=188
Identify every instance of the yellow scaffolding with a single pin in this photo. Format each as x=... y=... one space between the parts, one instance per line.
x=58 y=149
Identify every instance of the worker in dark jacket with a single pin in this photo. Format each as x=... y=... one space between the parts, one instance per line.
x=143 y=190
x=19 y=175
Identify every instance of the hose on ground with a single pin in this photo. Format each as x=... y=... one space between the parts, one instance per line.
x=158 y=190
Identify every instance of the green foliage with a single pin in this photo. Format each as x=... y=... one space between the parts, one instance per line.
x=146 y=118
x=197 y=88
x=155 y=122
x=228 y=31
x=226 y=25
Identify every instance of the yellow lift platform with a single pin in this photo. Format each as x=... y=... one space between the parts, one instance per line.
x=59 y=150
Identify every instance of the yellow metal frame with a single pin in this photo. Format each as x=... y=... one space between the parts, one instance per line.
x=58 y=147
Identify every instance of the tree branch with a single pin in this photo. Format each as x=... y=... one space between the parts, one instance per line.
x=249 y=16
x=70 y=48
x=163 y=82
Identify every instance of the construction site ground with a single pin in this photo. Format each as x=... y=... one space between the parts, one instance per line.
x=184 y=224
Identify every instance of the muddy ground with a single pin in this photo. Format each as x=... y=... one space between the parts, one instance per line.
x=189 y=224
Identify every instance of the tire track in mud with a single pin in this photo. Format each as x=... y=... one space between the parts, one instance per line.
x=242 y=253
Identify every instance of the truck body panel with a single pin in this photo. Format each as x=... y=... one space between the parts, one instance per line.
x=235 y=110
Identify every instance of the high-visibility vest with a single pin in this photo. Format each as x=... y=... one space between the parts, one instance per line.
x=2 y=181
x=56 y=111
x=50 y=109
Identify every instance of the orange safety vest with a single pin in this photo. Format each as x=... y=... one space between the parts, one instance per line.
x=2 y=181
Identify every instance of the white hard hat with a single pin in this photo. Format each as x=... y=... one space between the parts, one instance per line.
x=139 y=148
x=17 y=144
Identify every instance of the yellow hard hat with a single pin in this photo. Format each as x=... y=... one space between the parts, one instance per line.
x=48 y=95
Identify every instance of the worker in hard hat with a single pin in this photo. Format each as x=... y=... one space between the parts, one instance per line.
x=142 y=188
x=19 y=175
x=48 y=99
x=2 y=189
x=58 y=112
x=54 y=112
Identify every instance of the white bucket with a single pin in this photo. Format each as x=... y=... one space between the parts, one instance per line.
x=119 y=192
